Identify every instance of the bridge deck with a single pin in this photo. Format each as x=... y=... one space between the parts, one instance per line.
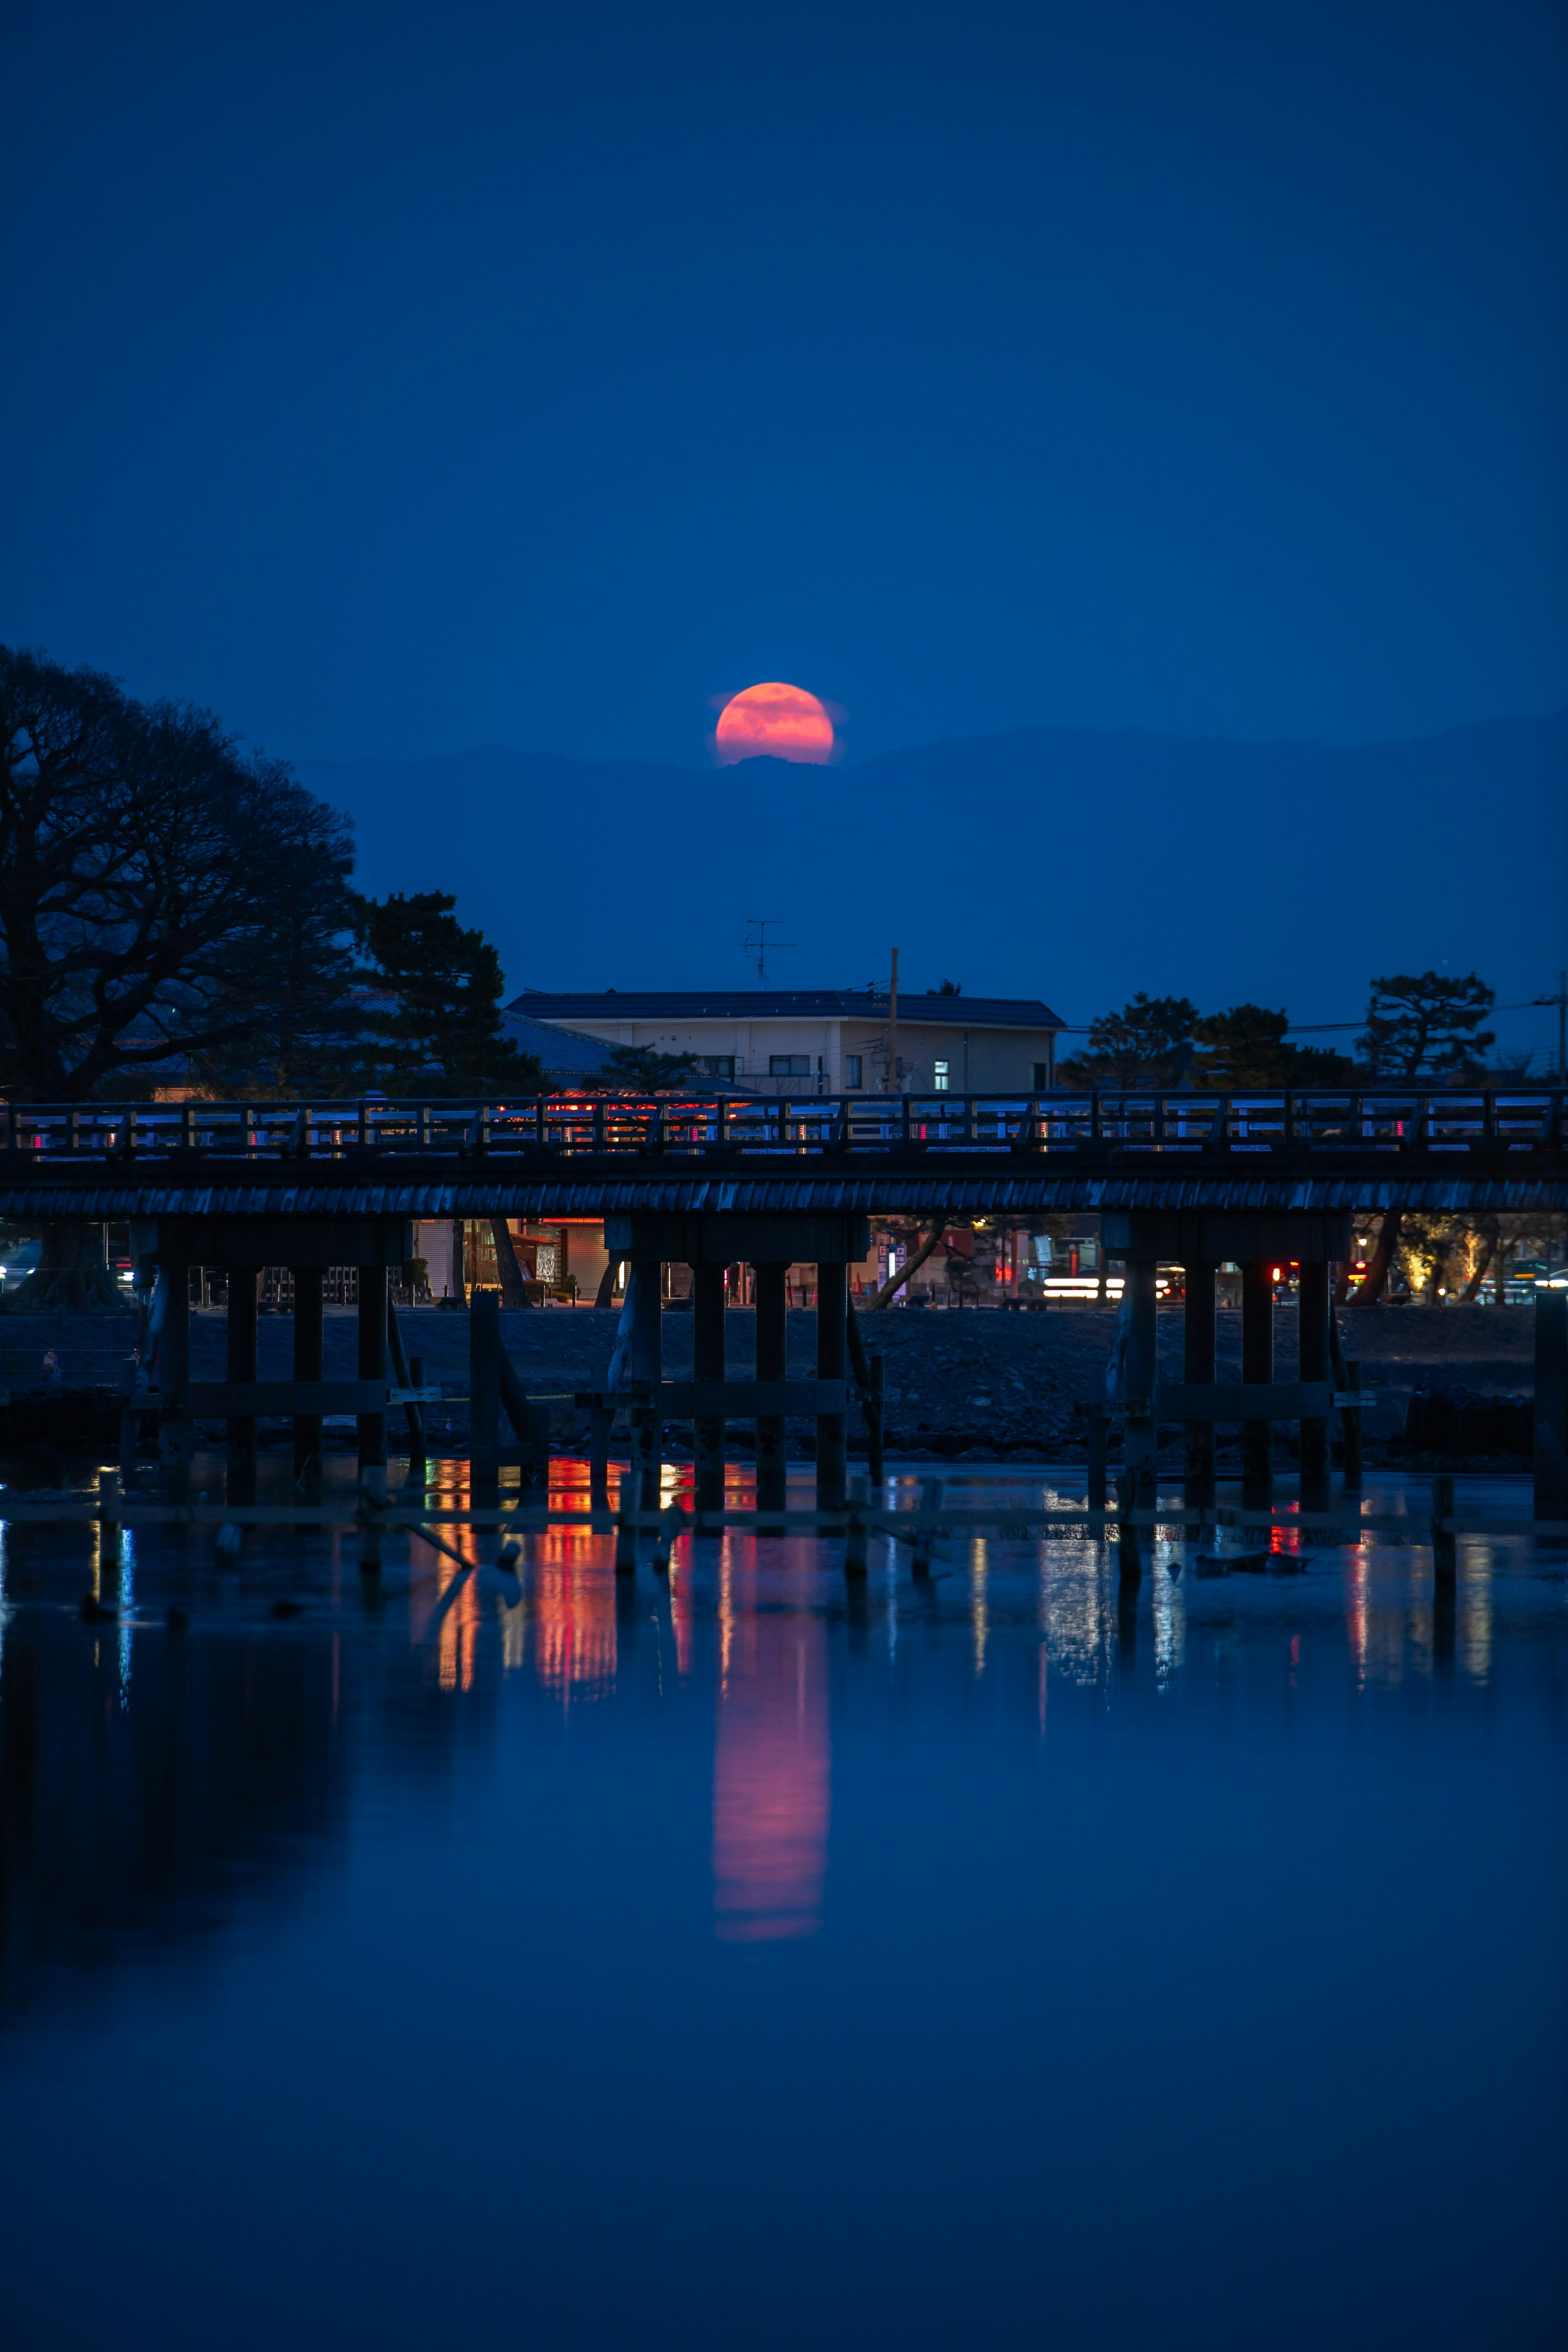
x=560 y=1155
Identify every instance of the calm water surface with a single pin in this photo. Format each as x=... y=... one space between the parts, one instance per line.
x=736 y=1960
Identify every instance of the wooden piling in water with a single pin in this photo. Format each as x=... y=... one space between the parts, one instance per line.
x=708 y=1364
x=856 y=1553
x=1099 y=1422
x=402 y=1367
x=1141 y=1441
x=645 y=1367
x=372 y=1426
x=1197 y=1371
x=308 y=1365
x=240 y=1342
x=931 y=1503
x=176 y=1435
x=1445 y=1546
x=1257 y=1366
x=771 y=1365
x=869 y=1379
x=832 y=1347
x=600 y=1417
x=1314 y=1317
x=1347 y=1376
x=484 y=1388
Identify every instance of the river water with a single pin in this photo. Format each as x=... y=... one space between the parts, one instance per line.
x=745 y=1959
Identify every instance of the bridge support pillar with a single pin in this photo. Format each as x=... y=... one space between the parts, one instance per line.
x=1256 y=1367
x=1257 y=1239
x=771 y=1242
x=176 y=1436
x=1140 y=1445
x=645 y=1323
x=239 y=1316
x=1313 y=1357
x=307 y=1358
x=373 y=1362
x=1198 y=1370
x=769 y=1277
x=484 y=1392
x=708 y=1364
x=832 y=1353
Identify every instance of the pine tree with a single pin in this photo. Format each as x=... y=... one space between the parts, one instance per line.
x=1427 y=1024
x=1139 y=1046
x=1248 y=1046
x=432 y=1002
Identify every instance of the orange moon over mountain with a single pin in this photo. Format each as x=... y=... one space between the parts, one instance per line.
x=783 y=721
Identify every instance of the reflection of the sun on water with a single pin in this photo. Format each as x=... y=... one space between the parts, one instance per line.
x=771 y=1765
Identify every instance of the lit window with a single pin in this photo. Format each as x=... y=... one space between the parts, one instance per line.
x=939 y=1077
x=851 y=1072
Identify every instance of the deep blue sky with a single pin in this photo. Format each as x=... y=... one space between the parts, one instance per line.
x=401 y=378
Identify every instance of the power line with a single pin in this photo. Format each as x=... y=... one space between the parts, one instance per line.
x=1320 y=1028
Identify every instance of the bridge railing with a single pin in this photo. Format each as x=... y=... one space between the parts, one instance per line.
x=1133 y=1120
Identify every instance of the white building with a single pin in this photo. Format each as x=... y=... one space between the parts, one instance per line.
x=824 y=1041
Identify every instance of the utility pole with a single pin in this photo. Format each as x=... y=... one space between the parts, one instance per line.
x=893 y=1086
x=1561 y=1002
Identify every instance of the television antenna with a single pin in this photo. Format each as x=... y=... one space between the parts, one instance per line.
x=758 y=943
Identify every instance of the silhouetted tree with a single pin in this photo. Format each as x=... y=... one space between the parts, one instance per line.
x=640 y=1066
x=161 y=893
x=1248 y=1046
x=1428 y=1026
x=1139 y=1046
x=148 y=876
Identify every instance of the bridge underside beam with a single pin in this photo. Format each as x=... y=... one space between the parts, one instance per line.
x=276 y=1239
x=250 y=1195
x=745 y=1237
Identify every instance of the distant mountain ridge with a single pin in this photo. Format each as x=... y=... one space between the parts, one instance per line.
x=1069 y=863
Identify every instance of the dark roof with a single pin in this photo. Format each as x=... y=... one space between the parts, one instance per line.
x=559 y=1050
x=785 y=1005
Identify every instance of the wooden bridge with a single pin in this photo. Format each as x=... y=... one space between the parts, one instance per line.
x=1197 y=1179
x=856 y=1154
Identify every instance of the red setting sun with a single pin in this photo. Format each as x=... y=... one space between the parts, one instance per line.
x=784 y=721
